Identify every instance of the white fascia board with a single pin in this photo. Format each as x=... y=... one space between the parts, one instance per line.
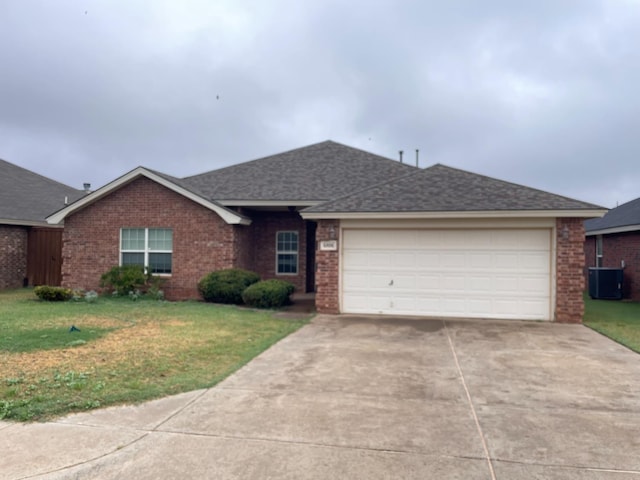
x=26 y=223
x=457 y=214
x=608 y=231
x=226 y=214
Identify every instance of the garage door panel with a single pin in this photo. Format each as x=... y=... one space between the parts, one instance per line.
x=365 y=303
x=452 y=260
x=536 y=261
x=427 y=282
x=427 y=260
x=479 y=306
x=533 y=284
x=478 y=283
x=480 y=260
x=477 y=273
x=404 y=260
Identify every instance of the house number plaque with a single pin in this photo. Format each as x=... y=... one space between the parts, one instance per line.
x=329 y=245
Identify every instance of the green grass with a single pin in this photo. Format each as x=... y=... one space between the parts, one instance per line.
x=125 y=352
x=617 y=320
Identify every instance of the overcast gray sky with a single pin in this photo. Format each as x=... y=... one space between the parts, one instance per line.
x=543 y=93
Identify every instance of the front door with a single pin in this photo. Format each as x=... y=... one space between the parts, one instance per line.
x=311 y=256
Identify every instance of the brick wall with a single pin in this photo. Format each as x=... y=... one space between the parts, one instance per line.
x=202 y=241
x=570 y=255
x=619 y=247
x=589 y=254
x=615 y=249
x=13 y=256
x=264 y=228
x=328 y=270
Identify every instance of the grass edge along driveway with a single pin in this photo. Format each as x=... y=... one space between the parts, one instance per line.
x=615 y=319
x=120 y=351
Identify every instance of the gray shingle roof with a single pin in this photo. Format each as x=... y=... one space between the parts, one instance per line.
x=28 y=197
x=444 y=189
x=321 y=171
x=625 y=215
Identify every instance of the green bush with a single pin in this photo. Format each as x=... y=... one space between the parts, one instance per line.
x=226 y=286
x=129 y=278
x=53 y=294
x=268 y=294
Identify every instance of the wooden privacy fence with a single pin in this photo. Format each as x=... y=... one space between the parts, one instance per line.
x=44 y=256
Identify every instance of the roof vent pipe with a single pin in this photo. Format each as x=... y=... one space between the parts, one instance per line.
x=417 y=153
x=400 y=152
x=87 y=187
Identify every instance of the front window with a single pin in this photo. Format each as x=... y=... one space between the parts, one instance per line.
x=151 y=248
x=598 y=251
x=287 y=253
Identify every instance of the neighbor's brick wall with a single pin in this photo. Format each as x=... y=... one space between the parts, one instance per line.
x=13 y=256
x=619 y=247
x=569 y=270
x=202 y=241
x=264 y=228
x=589 y=254
x=328 y=270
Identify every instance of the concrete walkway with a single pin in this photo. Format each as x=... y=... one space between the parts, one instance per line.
x=371 y=398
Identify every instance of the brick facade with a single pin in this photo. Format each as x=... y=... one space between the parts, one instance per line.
x=617 y=248
x=202 y=241
x=569 y=270
x=264 y=228
x=328 y=271
x=13 y=256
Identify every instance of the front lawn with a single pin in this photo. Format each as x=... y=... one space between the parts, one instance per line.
x=120 y=351
x=617 y=320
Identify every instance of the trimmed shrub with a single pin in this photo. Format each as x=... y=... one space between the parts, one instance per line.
x=268 y=294
x=53 y=294
x=129 y=278
x=226 y=286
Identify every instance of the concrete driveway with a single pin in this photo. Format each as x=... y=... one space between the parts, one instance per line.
x=367 y=398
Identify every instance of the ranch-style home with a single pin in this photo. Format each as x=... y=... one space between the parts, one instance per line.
x=367 y=233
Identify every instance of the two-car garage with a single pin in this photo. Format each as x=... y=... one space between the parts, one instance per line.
x=443 y=242
x=448 y=272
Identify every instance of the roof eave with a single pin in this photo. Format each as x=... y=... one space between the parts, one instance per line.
x=227 y=215
x=610 y=230
x=26 y=223
x=456 y=214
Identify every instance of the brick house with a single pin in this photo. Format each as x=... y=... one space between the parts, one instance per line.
x=366 y=233
x=30 y=248
x=613 y=241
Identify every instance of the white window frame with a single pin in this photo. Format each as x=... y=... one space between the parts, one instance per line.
x=599 y=251
x=288 y=252
x=147 y=250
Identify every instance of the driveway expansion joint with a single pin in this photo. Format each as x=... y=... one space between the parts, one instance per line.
x=470 y=401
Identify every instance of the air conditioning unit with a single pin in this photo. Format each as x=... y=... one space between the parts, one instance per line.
x=605 y=283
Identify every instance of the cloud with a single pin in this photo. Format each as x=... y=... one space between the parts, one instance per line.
x=540 y=93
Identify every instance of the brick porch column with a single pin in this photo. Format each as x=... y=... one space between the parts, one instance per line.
x=328 y=268
x=569 y=270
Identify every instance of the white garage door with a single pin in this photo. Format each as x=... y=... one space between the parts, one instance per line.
x=452 y=273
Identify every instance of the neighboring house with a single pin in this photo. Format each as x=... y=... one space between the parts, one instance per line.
x=30 y=248
x=613 y=241
x=368 y=234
